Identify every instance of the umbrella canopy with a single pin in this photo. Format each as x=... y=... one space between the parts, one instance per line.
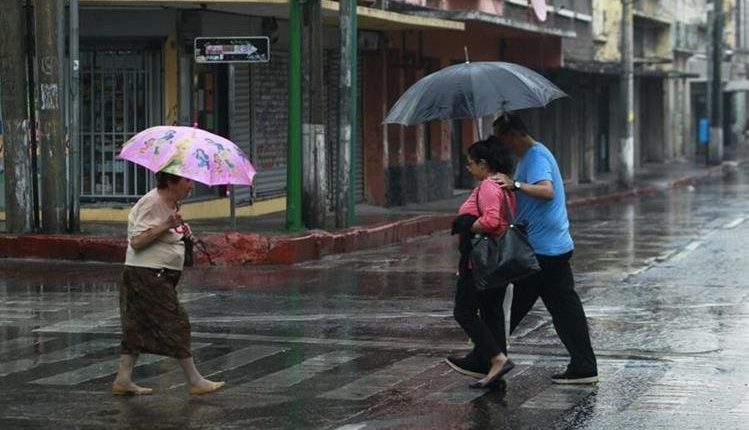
x=472 y=90
x=189 y=152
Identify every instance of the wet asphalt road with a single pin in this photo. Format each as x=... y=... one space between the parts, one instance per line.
x=357 y=341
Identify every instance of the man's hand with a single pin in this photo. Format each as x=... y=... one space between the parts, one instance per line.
x=503 y=181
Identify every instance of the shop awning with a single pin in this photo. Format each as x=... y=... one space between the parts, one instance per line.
x=367 y=18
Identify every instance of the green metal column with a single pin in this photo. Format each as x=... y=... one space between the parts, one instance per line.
x=294 y=167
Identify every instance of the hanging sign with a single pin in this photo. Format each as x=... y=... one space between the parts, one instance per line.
x=539 y=7
x=254 y=49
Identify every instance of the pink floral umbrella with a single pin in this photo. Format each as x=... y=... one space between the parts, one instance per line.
x=191 y=153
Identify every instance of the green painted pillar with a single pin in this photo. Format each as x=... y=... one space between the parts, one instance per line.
x=294 y=157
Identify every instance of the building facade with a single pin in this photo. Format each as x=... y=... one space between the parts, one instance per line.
x=138 y=70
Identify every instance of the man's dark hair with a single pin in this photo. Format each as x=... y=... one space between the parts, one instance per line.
x=491 y=150
x=163 y=179
x=510 y=122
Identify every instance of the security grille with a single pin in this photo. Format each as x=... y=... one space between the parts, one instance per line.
x=120 y=90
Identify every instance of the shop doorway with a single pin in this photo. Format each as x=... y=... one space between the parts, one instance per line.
x=209 y=106
x=120 y=96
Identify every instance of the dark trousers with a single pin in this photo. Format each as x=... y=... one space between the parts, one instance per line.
x=487 y=331
x=556 y=287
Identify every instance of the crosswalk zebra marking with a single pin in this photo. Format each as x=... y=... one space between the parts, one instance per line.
x=22 y=342
x=7 y=310
x=456 y=393
x=677 y=386
x=559 y=397
x=220 y=364
x=72 y=352
x=297 y=373
x=735 y=223
x=91 y=321
x=382 y=380
x=39 y=304
x=81 y=325
x=101 y=369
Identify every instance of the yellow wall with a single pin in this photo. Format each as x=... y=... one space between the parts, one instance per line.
x=610 y=12
x=210 y=209
x=729 y=25
x=171 y=81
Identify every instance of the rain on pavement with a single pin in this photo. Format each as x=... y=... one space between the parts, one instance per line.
x=357 y=341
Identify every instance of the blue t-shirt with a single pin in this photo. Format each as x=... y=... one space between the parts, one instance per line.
x=545 y=220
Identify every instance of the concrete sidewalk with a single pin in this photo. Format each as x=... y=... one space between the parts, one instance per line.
x=263 y=240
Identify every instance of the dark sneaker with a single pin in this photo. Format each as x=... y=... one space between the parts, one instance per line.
x=468 y=366
x=575 y=378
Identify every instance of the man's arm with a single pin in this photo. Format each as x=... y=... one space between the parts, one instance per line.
x=543 y=190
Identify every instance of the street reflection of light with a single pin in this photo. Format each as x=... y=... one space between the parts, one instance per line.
x=628 y=215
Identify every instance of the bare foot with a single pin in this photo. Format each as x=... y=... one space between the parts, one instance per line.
x=499 y=368
x=205 y=387
x=130 y=389
x=493 y=371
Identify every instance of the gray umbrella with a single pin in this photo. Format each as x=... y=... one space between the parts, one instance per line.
x=472 y=90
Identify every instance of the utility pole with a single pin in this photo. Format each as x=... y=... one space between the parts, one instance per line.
x=33 y=131
x=314 y=170
x=345 y=215
x=294 y=168
x=627 y=142
x=74 y=217
x=17 y=153
x=715 y=145
x=51 y=137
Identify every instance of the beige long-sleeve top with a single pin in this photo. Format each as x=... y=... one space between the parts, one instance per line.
x=167 y=251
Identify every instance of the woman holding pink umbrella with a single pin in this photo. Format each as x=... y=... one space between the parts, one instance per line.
x=153 y=320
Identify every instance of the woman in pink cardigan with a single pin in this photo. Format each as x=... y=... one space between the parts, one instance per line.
x=482 y=213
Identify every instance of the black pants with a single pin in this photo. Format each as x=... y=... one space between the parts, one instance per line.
x=556 y=287
x=488 y=330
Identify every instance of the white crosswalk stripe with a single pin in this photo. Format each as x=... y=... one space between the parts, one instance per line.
x=90 y=322
x=74 y=351
x=382 y=380
x=223 y=363
x=22 y=342
x=99 y=370
x=297 y=373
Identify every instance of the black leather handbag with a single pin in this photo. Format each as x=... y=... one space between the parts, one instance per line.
x=495 y=262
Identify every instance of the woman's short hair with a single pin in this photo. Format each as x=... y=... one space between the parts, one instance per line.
x=163 y=179
x=510 y=122
x=496 y=156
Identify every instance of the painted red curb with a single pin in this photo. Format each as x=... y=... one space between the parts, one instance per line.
x=63 y=247
x=236 y=248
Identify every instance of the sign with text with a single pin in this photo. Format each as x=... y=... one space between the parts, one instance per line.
x=232 y=49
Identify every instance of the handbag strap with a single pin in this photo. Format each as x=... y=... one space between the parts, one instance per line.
x=505 y=205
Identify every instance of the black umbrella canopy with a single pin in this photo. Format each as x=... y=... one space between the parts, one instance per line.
x=472 y=90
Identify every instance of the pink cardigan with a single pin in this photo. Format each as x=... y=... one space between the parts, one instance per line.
x=490 y=206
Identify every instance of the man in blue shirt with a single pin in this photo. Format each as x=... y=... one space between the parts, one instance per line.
x=542 y=209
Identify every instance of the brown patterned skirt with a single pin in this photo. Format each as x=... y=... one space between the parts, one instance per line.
x=153 y=320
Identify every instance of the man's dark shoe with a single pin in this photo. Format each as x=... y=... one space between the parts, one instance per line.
x=468 y=365
x=575 y=378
